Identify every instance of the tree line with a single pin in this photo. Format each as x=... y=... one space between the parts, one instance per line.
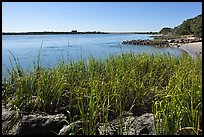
x=192 y=26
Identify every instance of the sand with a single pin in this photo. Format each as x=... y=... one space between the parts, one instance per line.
x=192 y=48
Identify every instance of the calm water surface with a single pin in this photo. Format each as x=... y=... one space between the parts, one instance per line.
x=70 y=47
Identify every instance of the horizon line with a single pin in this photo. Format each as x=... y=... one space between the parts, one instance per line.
x=79 y=31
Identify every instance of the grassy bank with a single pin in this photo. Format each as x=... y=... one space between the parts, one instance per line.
x=100 y=90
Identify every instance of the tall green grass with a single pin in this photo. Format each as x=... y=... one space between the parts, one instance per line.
x=99 y=90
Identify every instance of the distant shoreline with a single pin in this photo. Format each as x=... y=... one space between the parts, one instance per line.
x=60 y=33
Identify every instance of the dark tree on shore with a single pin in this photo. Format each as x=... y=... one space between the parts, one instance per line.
x=165 y=30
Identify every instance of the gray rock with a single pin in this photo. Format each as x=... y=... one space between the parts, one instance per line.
x=9 y=121
x=65 y=130
x=72 y=127
x=131 y=125
x=33 y=124
x=38 y=124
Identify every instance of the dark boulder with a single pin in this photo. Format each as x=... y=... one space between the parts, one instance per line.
x=38 y=124
x=14 y=123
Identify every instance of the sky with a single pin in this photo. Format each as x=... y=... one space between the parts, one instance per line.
x=95 y=16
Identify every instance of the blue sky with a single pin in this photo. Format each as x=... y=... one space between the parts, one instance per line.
x=95 y=16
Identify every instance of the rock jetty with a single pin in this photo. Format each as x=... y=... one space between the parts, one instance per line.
x=163 y=43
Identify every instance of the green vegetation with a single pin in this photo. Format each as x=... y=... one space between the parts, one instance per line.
x=158 y=42
x=165 y=31
x=146 y=32
x=191 y=26
x=100 y=90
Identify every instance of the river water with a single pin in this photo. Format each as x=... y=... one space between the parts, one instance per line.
x=54 y=48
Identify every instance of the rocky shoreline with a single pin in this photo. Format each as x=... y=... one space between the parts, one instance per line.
x=163 y=41
x=146 y=42
x=16 y=123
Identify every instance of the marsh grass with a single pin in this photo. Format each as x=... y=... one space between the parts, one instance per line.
x=99 y=90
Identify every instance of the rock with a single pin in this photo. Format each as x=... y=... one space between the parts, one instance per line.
x=38 y=124
x=65 y=130
x=32 y=124
x=131 y=125
x=73 y=127
x=170 y=41
x=9 y=125
x=146 y=42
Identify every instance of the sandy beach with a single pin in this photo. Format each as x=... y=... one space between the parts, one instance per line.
x=192 y=48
